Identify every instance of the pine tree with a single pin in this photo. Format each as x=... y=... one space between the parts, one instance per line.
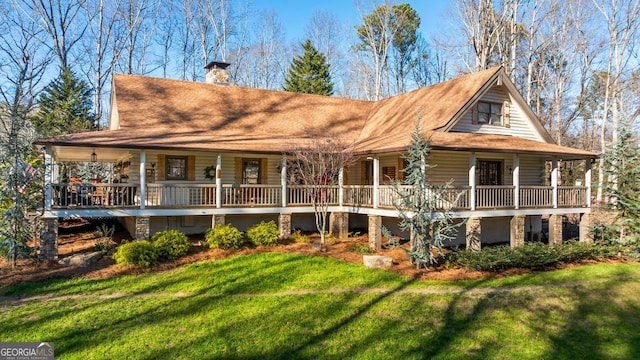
x=425 y=210
x=622 y=162
x=65 y=106
x=309 y=73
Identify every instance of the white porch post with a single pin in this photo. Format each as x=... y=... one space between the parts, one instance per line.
x=554 y=182
x=283 y=181
x=587 y=181
x=143 y=180
x=516 y=181
x=341 y=187
x=376 y=182
x=219 y=181
x=48 y=178
x=472 y=181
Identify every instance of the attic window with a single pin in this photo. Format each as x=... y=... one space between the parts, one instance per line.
x=489 y=113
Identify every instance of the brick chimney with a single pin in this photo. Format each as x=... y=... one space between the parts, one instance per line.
x=217 y=73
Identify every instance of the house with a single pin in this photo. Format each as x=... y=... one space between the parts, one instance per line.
x=190 y=155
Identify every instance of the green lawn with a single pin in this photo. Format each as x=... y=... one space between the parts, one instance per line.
x=275 y=305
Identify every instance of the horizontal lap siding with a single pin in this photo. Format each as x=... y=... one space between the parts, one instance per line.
x=520 y=126
x=532 y=170
x=449 y=165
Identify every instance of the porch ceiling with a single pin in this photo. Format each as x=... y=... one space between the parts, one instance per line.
x=83 y=153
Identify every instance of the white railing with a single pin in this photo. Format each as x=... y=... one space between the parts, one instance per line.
x=444 y=197
x=180 y=195
x=572 y=196
x=494 y=197
x=536 y=196
x=358 y=195
x=302 y=195
x=251 y=195
x=77 y=195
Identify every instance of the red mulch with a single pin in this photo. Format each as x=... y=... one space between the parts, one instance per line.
x=76 y=236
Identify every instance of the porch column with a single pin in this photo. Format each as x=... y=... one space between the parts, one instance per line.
x=49 y=238
x=142 y=228
x=375 y=232
x=219 y=181
x=284 y=226
x=473 y=234
x=339 y=224
x=48 y=178
x=554 y=182
x=587 y=181
x=516 y=181
x=283 y=182
x=341 y=187
x=584 y=233
x=218 y=219
x=555 y=229
x=517 y=231
x=472 y=181
x=376 y=182
x=143 y=180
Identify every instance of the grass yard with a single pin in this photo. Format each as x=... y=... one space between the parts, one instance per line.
x=274 y=305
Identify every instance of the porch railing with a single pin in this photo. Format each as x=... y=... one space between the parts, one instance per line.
x=494 y=197
x=536 y=196
x=94 y=195
x=180 y=195
x=75 y=195
x=572 y=196
x=251 y=195
x=302 y=195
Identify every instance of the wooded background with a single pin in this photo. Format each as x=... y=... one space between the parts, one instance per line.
x=574 y=61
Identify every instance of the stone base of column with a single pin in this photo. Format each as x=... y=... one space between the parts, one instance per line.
x=217 y=220
x=339 y=224
x=375 y=232
x=142 y=228
x=517 y=231
x=555 y=229
x=284 y=226
x=585 y=223
x=473 y=234
x=49 y=239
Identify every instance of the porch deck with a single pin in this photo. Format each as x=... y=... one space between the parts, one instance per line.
x=186 y=196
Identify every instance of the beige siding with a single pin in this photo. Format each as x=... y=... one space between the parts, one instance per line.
x=520 y=125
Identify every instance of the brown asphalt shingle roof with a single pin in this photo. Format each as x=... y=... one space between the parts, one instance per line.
x=159 y=113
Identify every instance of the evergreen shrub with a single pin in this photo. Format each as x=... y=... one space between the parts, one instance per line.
x=170 y=244
x=264 y=233
x=140 y=253
x=224 y=237
x=532 y=255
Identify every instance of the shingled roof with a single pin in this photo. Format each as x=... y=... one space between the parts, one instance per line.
x=154 y=113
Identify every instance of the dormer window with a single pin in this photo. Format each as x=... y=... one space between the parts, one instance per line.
x=489 y=113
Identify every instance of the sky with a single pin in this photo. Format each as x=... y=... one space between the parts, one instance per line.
x=295 y=14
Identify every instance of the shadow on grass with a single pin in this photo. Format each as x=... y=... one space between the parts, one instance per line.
x=244 y=311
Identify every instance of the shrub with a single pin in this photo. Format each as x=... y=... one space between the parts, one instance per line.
x=532 y=255
x=141 y=253
x=299 y=237
x=360 y=248
x=170 y=244
x=224 y=237
x=264 y=233
x=105 y=246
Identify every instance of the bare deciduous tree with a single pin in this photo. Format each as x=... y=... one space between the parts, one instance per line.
x=317 y=166
x=63 y=21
